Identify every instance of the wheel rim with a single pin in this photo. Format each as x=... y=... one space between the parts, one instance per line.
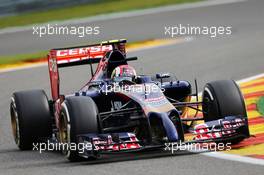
x=15 y=124
x=64 y=132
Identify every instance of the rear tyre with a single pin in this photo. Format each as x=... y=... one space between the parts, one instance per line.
x=224 y=98
x=30 y=118
x=79 y=115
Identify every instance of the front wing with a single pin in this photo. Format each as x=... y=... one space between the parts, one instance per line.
x=214 y=131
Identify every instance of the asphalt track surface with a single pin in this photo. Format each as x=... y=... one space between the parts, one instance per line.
x=232 y=57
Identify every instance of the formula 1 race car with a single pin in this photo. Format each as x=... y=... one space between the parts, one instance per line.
x=118 y=110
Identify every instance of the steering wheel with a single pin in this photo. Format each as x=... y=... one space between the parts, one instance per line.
x=126 y=82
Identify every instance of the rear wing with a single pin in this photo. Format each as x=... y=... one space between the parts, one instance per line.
x=85 y=54
x=89 y=54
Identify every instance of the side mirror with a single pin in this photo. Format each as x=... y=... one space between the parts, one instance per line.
x=162 y=75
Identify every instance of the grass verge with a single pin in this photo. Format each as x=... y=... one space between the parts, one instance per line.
x=260 y=105
x=31 y=57
x=107 y=6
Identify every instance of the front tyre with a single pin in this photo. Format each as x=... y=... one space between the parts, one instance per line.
x=224 y=98
x=79 y=115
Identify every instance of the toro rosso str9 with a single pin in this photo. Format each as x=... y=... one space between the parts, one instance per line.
x=118 y=110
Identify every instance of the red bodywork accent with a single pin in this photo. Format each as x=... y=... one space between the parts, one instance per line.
x=109 y=145
x=54 y=75
x=78 y=54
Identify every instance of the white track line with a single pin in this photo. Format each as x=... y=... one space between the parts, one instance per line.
x=118 y=15
x=234 y=157
x=250 y=78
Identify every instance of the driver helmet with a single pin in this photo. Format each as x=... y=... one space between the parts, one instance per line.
x=123 y=72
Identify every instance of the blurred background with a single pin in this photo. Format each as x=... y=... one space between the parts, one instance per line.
x=18 y=17
x=12 y=7
x=142 y=23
